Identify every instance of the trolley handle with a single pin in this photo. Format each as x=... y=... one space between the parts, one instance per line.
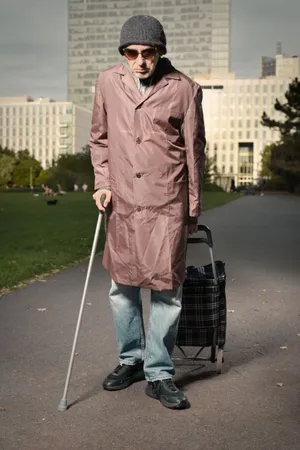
x=208 y=240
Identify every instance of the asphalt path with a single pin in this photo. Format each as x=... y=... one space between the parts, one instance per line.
x=254 y=404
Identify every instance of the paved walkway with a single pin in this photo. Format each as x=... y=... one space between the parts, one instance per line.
x=242 y=409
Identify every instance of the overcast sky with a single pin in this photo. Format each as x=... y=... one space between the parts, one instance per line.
x=33 y=42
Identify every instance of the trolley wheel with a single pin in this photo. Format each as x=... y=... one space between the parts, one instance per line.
x=220 y=360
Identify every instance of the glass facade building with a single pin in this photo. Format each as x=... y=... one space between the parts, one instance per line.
x=198 y=37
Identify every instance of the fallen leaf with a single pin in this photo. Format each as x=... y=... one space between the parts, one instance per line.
x=41 y=309
x=76 y=354
x=278 y=291
x=283 y=347
x=280 y=384
x=88 y=304
x=1 y=408
x=298 y=334
x=231 y=310
x=264 y=290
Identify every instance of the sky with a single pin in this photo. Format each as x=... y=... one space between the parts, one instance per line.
x=33 y=42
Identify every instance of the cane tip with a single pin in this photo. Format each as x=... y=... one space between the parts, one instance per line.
x=63 y=406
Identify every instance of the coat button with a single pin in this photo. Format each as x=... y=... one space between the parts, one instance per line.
x=138 y=141
x=138 y=175
x=139 y=208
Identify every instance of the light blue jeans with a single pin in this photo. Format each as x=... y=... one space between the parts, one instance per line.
x=156 y=352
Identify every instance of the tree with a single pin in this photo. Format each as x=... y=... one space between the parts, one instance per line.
x=24 y=169
x=7 y=164
x=7 y=152
x=291 y=109
x=285 y=154
x=69 y=169
x=285 y=161
x=266 y=160
x=209 y=170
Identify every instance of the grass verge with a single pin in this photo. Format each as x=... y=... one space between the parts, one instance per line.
x=39 y=239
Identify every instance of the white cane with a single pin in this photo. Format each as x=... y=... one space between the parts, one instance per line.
x=63 y=405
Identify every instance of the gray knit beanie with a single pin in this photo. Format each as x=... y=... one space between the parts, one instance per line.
x=143 y=30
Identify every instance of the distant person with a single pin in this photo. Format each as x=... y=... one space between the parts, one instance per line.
x=75 y=187
x=232 y=186
x=84 y=187
x=260 y=186
x=147 y=147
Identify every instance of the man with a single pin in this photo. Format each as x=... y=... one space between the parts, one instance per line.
x=147 y=147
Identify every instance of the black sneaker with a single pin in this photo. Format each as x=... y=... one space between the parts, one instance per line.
x=123 y=376
x=167 y=393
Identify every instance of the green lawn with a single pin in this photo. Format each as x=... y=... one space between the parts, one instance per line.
x=38 y=239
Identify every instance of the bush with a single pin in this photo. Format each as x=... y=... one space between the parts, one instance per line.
x=276 y=184
x=212 y=187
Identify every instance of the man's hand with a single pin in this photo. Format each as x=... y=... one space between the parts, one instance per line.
x=193 y=225
x=97 y=196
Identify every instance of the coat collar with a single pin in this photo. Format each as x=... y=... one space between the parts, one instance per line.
x=164 y=72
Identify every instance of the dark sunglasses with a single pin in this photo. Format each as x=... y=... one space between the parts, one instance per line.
x=148 y=53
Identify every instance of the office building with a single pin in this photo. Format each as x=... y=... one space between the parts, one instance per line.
x=44 y=127
x=233 y=109
x=267 y=66
x=282 y=66
x=198 y=37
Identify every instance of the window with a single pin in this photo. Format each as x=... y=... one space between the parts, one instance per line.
x=232 y=146
x=231 y=157
x=223 y=157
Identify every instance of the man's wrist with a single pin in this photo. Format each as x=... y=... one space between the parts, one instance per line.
x=108 y=188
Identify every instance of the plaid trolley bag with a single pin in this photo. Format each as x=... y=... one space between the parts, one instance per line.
x=203 y=317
